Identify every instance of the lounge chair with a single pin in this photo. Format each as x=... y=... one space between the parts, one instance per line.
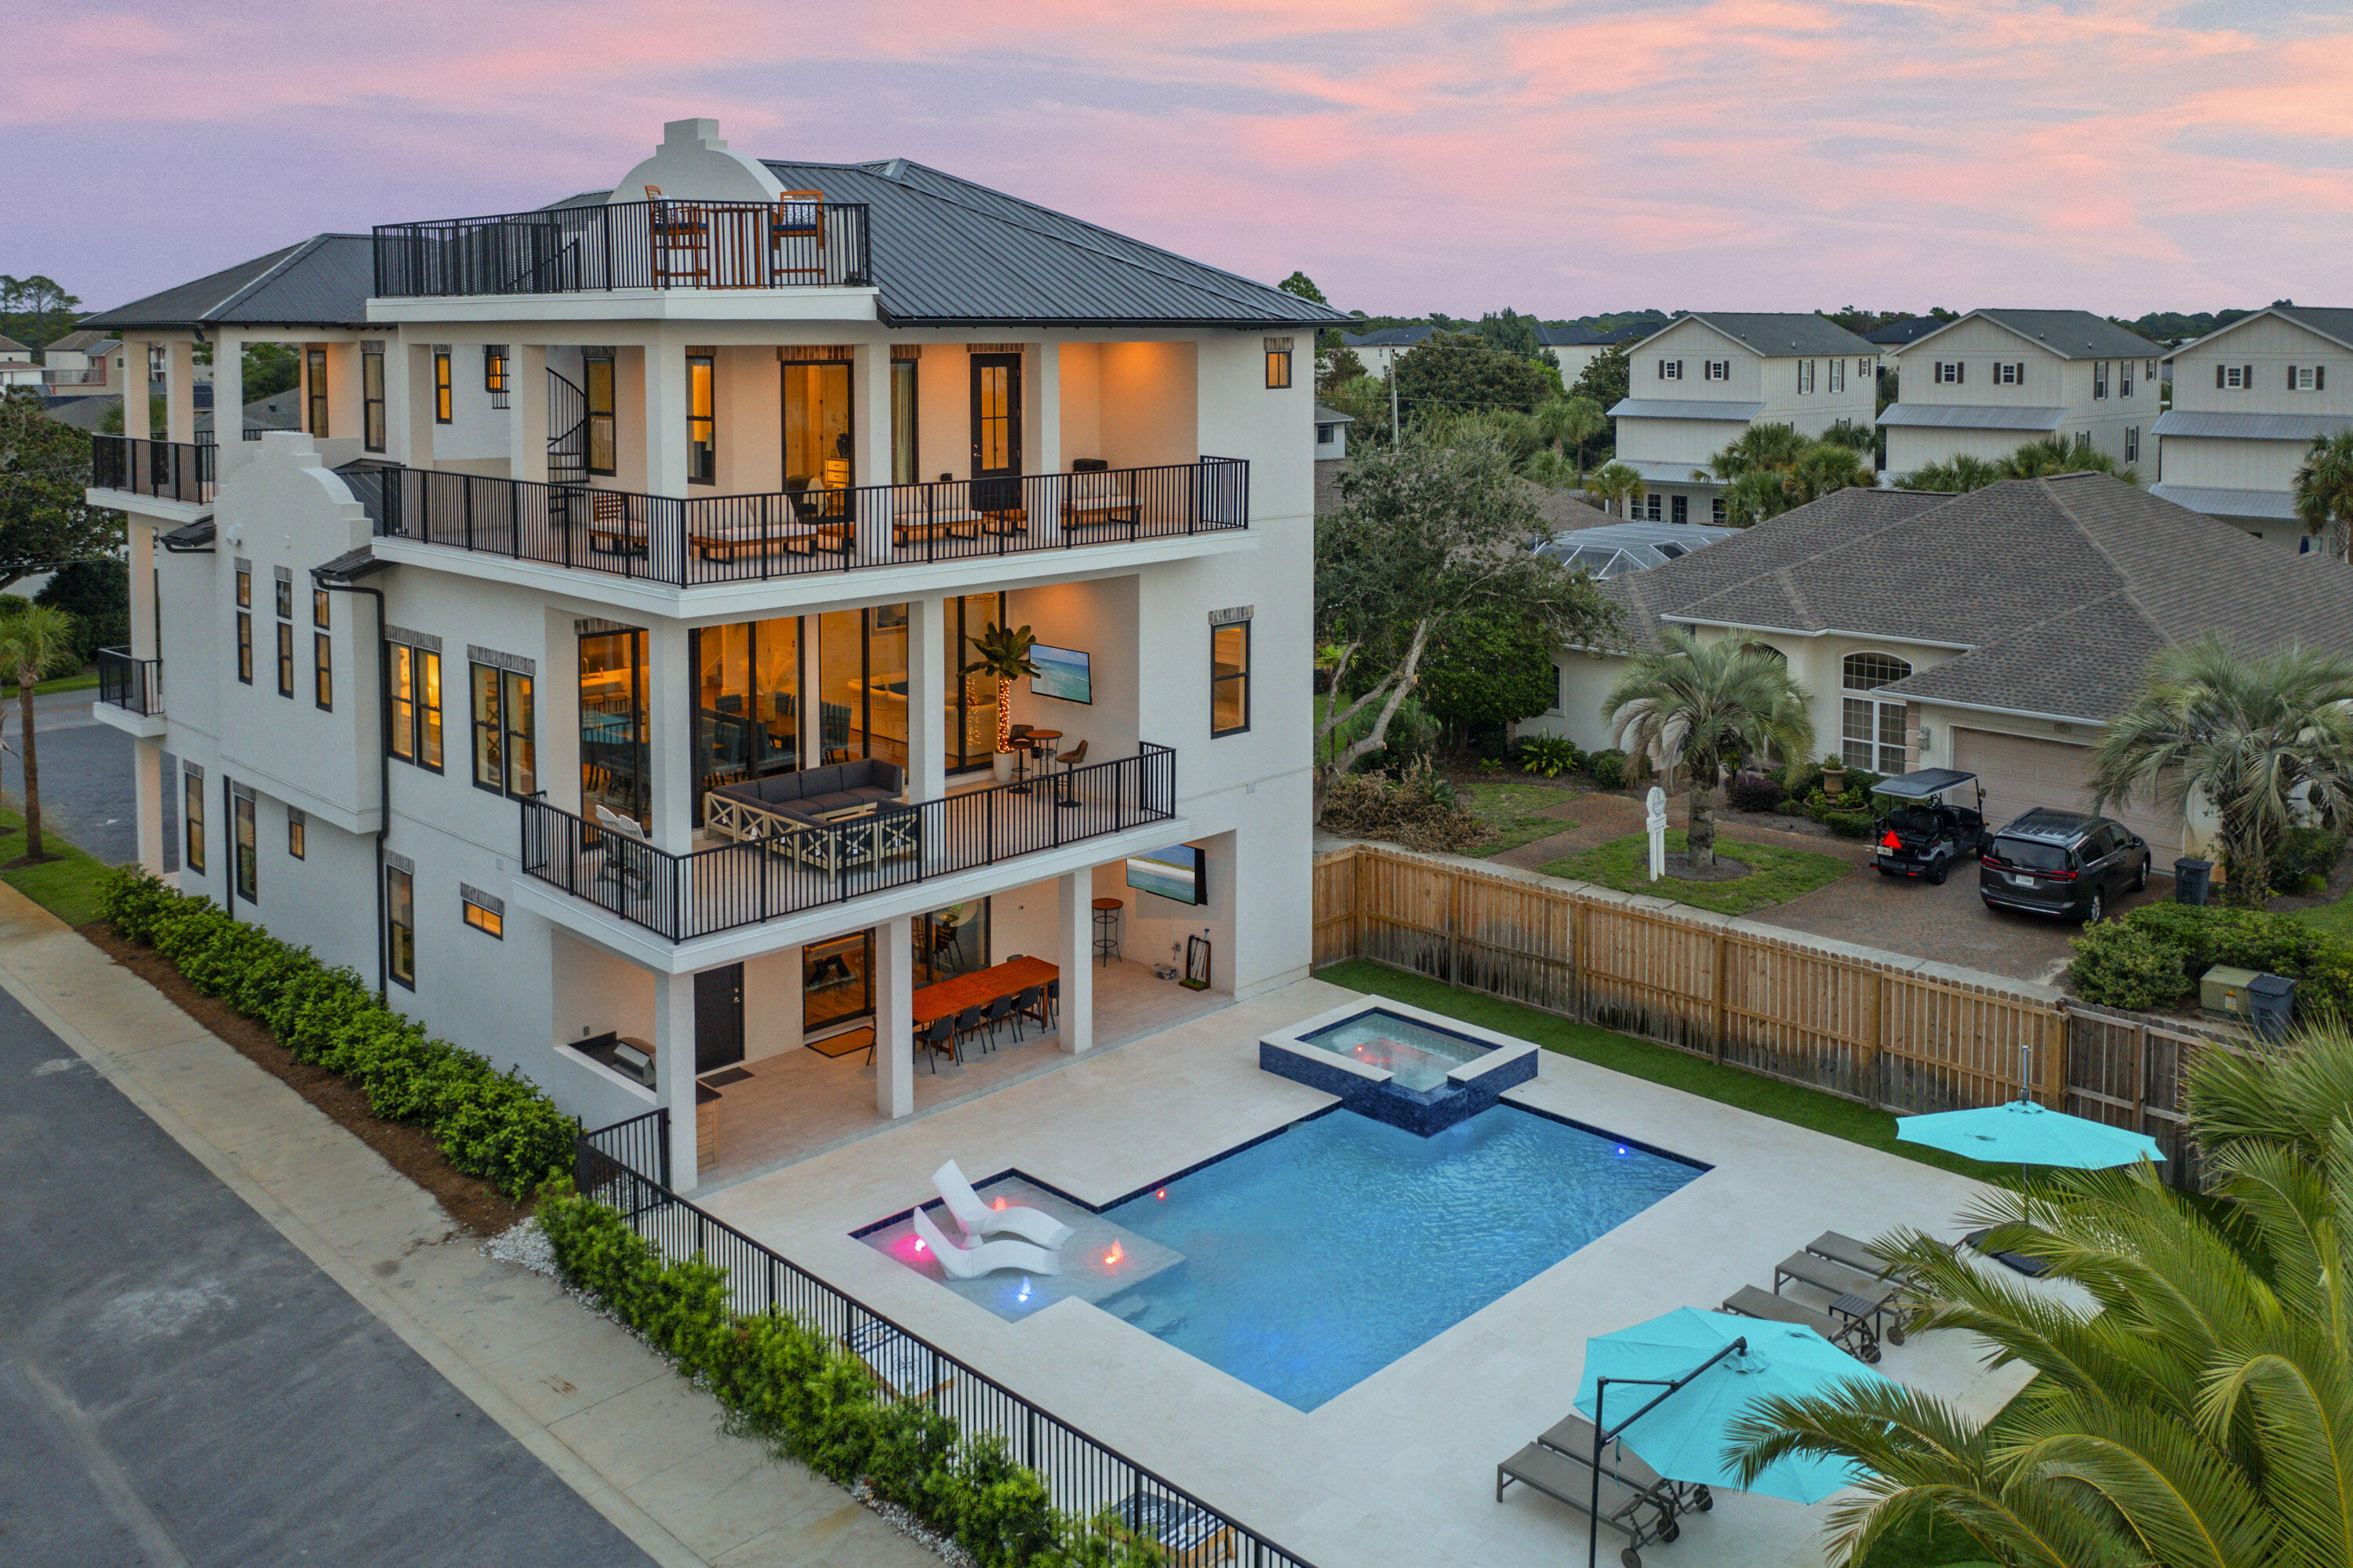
x=1853 y=1335
x=977 y=1219
x=1880 y=1296
x=1631 y=1511
x=1845 y=1249
x=2033 y=1268
x=1573 y=1435
x=983 y=1257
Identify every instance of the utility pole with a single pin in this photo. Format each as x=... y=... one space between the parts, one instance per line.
x=1396 y=429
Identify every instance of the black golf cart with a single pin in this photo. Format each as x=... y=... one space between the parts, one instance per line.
x=1919 y=831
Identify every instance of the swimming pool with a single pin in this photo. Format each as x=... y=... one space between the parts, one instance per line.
x=1308 y=1262
x=1416 y=1055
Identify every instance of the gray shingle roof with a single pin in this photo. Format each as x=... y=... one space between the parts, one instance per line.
x=9 y=342
x=1897 y=334
x=1778 y=334
x=81 y=341
x=1388 y=337
x=1684 y=409
x=1970 y=417
x=2334 y=325
x=1327 y=415
x=2058 y=589
x=2249 y=427
x=323 y=282
x=2070 y=334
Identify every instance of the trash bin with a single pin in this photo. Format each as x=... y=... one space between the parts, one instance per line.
x=2270 y=1000
x=2191 y=877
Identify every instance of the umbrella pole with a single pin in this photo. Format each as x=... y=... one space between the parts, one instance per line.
x=1603 y=1434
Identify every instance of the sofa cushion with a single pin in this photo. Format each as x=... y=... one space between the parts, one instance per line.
x=819 y=780
x=872 y=774
x=833 y=800
x=749 y=791
x=776 y=789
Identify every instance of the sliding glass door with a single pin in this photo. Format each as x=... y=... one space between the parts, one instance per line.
x=862 y=685
x=748 y=702
x=971 y=699
x=614 y=771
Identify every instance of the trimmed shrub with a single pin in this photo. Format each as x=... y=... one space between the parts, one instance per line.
x=1549 y=755
x=1607 y=768
x=2112 y=969
x=1752 y=792
x=1848 y=824
x=2303 y=856
x=495 y=1125
x=2118 y=964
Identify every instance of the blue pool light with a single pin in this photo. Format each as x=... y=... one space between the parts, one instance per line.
x=1025 y=1289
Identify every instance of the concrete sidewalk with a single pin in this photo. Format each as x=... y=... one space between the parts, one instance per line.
x=610 y=1419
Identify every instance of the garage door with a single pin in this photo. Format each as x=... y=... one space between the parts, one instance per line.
x=2020 y=774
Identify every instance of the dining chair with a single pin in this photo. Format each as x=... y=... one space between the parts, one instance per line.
x=1029 y=1004
x=968 y=1023
x=995 y=1016
x=938 y=1038
x=1053 y=1001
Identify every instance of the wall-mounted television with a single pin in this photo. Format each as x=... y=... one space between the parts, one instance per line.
x=1176 y=873
x=1066 y=673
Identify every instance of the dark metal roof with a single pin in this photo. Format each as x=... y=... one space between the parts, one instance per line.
x=2070 y=334
x=189 y=538
x=323 y=282
x=1920 y=786
x=1775 y=333
x=947 y=253
x=1895 y=333
x=348 y=566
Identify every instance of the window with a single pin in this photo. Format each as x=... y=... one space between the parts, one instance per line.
x=2124 y=378
x=2099 y=378
x=1949 y=373
x=494 y=369
x=1838 y=375
x=443 y=400
x=2011 y=373
x=1671 y=370
x=416 y=705
x=482 y=912
x=2148 y=370
x=1805 y=377
x=323 y=671
x=2235 y=378
x=1230 y=678
x=1651 y=508
x=316 y=359
x=1715 y=370
x=245 y=647
x=2132 y=443
x=285 y=658
x=1680 y=512
x=597 y=378
x=286 y=599
x=400 y=923
x=372 y=396
x=2306 y=379
x=248 y=855
x=192 y=813
x=503 y=759
x=1559 y=687
x=1278 y=368
x=1323 y=434
x=298 y=832
x=904 y=447
x=1871 y=732
x=702 y=421
x=2082 y=440
x=319 y=612
x=245 y=588
x=1716 y=510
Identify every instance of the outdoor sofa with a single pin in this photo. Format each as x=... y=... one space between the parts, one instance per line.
x=783 y=803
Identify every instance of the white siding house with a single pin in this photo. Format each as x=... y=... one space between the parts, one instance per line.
x=2247 y=402
x=1991 y=381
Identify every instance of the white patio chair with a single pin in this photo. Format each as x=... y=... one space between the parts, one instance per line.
x=984 y=1257
x=977 y=1219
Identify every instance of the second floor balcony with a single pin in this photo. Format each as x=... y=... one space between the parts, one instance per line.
x=795 y=242
x=168 y=471
x=135 y=685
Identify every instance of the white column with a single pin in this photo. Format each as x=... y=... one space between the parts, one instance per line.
x=1075 y=956
x=527 y=431
x=228 y=395
x=1041 y=419
x=895 y=1017
x=669 y=735
x=869 y=402
x=180 y=391
x=665 y=419
x=142 y=590
x=418 y=427
x=674 y=1070
x=927 y=726
x=135 y=388
x=147 y=761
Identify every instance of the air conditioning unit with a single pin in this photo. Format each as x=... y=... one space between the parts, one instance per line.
x=2222 y=991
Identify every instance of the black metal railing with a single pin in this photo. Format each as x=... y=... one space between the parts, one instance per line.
x=1083 y=1475
x=786 y=865
x=626 y=245
x=169 y=470
x=135 y=686
x=690 y=540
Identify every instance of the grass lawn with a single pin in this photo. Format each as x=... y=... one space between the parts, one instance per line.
x=66 y=886
x=82 y=680
x=1640 y=1059
x=1507 y=808
x=2336 y=918
x=1778 y=874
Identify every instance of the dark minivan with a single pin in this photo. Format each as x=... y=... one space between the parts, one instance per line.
x=2050 y=862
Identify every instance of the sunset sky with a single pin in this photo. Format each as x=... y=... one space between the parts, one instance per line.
x=2119 y=155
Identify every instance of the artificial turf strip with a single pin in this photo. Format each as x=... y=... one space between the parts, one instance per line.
x=66 y=885
x=1801 y=1107
x=1778 y=874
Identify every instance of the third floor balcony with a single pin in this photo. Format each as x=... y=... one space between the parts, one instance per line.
x=794 y=242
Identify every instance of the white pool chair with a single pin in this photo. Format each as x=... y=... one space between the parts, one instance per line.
x=977 y=1219
x=983 y=1257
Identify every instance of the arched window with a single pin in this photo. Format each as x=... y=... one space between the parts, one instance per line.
x=1872 y=730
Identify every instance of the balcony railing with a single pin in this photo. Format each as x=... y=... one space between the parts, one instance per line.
x=687 y=541
x=793 y=868
x=169 y=470
x=626 y=245
x=135 y=686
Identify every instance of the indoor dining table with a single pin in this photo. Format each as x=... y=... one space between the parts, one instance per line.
x=946 y=999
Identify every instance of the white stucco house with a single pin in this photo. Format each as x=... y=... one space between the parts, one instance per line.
x=2248 y=400
x=1697 y=383
x=1991 y=381
x=1332 y=433
x=2024 y=617
x=590 y=666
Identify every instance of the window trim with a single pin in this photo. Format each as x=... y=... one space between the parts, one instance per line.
x=399 y=890
x=491 y=923
x=1243 y=676
x=602 y=423
x=500 y=720
x=494 y=367
x=411 y=732
x=285 y=658
x=244 y=648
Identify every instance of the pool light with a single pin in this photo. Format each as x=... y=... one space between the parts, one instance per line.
x=1025 y=1289
x=1112 y=1259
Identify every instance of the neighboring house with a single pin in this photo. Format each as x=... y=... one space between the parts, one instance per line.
x=2248 y=399
x=82 y=364
x=1377 y=351
x=672 y=595
x=1900 y=335
x=17 y=366
x=279 y=411
x=1613 y=549
x=1991 y=381
x=1575 y=347
x=1332 y=433
x=1697 y=383
x=1998 y=632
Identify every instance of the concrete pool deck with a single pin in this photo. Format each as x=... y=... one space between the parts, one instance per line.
x=1399 y=1469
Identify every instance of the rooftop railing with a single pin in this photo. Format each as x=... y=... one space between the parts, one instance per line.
x=687 y=541
x=626 y=245
x=169 y=470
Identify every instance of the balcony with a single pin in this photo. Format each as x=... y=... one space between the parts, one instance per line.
x=694 y=541
x=168 y=471
x=135 y=685
x=793 y=869
x=626 y=245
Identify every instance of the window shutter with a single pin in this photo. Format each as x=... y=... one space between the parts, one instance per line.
x=2249 y=380
x=2290 y=378
x=1961 y=372
x=2320 y=379
x=2218 y=379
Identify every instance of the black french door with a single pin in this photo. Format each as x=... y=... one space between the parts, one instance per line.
x=996 y=431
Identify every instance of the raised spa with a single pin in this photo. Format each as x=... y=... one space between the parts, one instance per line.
x=1397 y=1063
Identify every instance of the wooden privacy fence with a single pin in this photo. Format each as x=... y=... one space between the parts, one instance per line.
x=1871 y=1029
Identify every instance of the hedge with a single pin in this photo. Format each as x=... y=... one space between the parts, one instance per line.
x=805 y=1397
x=498 y=1126
x=2153 y=957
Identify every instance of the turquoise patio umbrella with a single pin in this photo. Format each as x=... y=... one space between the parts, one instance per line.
x=1683 y=1433
x=2019 y=1132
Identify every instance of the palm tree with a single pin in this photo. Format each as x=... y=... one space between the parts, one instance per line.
x=1826 y=466
x=34 y=642
x=1770 y=446
x=2200 y=1413
x=1003 y=655
x=1962 y=474
x=1705 y=706
x=1569 y=424
x=2247 y=736
x=2323 y=490
x=1615 y=483
x=2054 y=455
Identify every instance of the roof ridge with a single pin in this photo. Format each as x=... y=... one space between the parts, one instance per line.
x=2129 y=587
x=294 y=252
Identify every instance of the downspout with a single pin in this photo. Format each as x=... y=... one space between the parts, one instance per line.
x=383 y=769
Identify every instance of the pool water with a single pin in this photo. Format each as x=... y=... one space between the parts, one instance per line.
x=1416 y=1055
x=1315 y=1259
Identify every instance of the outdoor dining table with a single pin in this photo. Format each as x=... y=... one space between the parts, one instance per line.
x=946 y=999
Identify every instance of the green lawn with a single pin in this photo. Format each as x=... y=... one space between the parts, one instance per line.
x=66 y=886
x=1507 y=808
x=1779 y=875
x=82 y=680
x=1640 y=1059
x=2336 y=918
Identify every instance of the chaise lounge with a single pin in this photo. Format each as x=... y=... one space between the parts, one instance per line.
x=977 y=1219
x=983 y=1257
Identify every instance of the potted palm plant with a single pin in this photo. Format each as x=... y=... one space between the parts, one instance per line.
x=1002 y=654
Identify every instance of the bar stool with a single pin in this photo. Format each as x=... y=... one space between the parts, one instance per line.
x=1107 y=914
